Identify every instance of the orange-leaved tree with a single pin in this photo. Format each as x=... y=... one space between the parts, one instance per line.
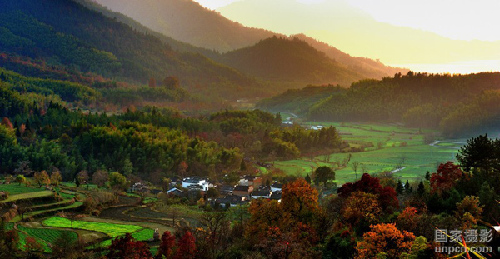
x=387 y=239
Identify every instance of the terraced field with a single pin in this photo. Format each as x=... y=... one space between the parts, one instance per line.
x=409 y=161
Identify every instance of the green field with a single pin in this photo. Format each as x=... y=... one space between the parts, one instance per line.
x=15 y=188
x=412 y=160
x=111 y=229
x=29 y=195
x=46 y=237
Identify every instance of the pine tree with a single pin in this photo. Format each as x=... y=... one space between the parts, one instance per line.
x=399 y=187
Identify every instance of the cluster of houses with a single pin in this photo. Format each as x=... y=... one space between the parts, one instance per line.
x=248 y=188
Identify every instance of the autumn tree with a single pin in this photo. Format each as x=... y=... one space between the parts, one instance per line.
x=384 y=238
x=55 y=178
x=82 y=178
x=127 y=247
x=117 y=181
x=186 y=247
x=300 y=200
x=362 y=208
x=167 y=246
x=469 y=211
x=445 y=178
x=42 y=178
x=387 y=196
x=408 y=219
x=100 y=178
x=20 y=179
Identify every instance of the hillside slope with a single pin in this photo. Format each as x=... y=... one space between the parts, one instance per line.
x=189 y=22
x=292 y=61
x=66 y=33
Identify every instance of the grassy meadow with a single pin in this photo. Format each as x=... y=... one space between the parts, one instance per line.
x=390 y=148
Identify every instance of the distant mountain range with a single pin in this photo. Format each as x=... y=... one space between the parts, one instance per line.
x=83 y=36
x=350 y=29
x=189 y=22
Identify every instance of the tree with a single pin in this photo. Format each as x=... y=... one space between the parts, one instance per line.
x=399 y=187
x=82 y=178
x=186 y=247
x=354 y=166
x=361 y=207
x=42 y=178
x=469 y=211
x=55 y=178
x=212 y=192
x=127 y=247
x=323 y=174
x=20 y=179
x=152 y=82
x=308 y=179
x=167 y=246
x=387 y=196
x=385 y=238
x=408 y=219
x=100 y=178
x=445 y=178
x=117 y=181
x=421 y=189
x=300 y=200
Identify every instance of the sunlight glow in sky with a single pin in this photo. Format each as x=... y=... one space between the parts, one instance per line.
x=455 y=19
x=474 y=22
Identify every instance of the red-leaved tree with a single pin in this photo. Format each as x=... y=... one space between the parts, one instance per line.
x=127 y=247
x=445 y=178
x=186 y=247
x=167 y=246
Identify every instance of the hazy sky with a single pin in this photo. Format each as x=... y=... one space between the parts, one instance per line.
x=455 y=19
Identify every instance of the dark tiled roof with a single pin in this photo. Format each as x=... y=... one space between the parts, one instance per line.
x=276 y=196
x=261 y=193
x=277 y=185
x=240 y=188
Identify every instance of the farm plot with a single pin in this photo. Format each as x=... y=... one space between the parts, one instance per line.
x=15 y=188
x=396 y=149
x=46 y=237
x=111 y=229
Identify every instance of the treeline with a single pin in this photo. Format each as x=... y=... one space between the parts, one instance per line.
x=299 y=100
x=259 y=134
x=455 y=104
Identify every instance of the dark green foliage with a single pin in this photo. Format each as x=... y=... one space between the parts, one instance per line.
x=299 y=100
x=323 y=174
x=289 y=60
x=66 y=33
x=399 y=187
x=455 y=104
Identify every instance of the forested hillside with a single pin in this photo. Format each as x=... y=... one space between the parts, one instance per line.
x=66 y=33
x=455 y=104
x=188 y=21
x=291 y=61
x=299 y=100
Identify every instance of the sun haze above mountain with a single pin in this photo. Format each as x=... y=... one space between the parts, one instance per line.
x=437 y=33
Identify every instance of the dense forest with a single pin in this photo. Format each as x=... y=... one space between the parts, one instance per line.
x=454 y=104
x=290 y=60
x=88 y=41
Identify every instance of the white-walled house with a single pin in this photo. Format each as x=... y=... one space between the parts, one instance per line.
x=186 y=182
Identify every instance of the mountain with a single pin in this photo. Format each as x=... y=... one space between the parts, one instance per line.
x=366 y=66
x=188 y=21
x=350 y=29
x=65 y=33
x=291 y=60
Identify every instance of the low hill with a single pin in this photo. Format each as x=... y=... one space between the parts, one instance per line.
x=459 y=104
x=290 y=60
